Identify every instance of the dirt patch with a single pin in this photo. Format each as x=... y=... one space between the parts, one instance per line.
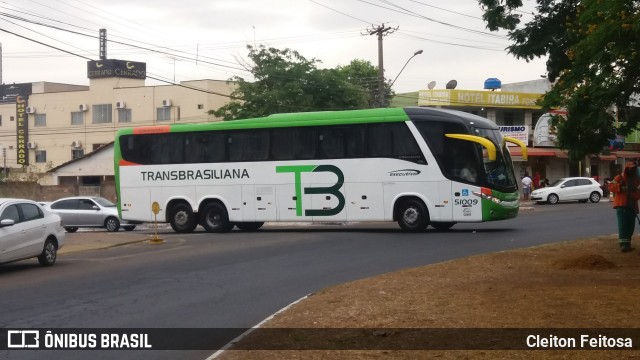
x=578 y=284
x=585 y=262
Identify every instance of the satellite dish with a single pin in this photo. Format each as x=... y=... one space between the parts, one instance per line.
x=431 y=85
x=451 y=84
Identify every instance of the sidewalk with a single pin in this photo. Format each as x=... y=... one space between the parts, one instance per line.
x=93 y=239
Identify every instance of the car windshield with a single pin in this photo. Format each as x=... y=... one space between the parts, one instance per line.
x=103 y=202
x=557 y=182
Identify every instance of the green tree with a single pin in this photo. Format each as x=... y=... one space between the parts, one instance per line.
x=592 y=49
x=285 y=81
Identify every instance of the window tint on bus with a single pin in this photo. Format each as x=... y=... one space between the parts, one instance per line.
x=340 y=142
x=453 y=155
x=390 y=140
x=393 y=140
x=205 y=147
x=293 y=143
x=248 y=145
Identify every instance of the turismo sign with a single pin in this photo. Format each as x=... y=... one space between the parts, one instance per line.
x=97 y=69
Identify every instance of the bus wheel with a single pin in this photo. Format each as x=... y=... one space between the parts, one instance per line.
x=214 y=218
x=249 y=226
x=182 y=220
x=413 y=216
x=442 y=226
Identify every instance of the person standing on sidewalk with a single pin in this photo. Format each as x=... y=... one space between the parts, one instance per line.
x=626 y=190
x=526 y=186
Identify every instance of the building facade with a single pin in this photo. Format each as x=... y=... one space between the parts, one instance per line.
x=43 y=125
x=513 y=108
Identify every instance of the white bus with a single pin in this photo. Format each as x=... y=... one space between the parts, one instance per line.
x=416 y=166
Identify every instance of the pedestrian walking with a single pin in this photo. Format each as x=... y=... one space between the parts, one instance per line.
x=526 y=186
x=626 y=190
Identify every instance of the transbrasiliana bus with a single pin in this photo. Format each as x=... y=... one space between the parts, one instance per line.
x=416 y=166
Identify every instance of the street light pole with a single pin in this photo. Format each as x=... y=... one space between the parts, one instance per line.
x=405 y=65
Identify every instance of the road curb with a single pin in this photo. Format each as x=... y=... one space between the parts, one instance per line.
x=89 y=247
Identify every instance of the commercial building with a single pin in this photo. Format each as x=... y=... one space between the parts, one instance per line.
x=44 y=125
x=513 y=108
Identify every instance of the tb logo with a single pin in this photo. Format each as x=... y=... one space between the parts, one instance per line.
x=334 y=189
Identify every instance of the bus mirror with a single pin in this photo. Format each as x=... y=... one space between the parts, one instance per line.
x=522 y=145
x=486 y=143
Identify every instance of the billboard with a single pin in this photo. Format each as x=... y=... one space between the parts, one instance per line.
x=97 y=69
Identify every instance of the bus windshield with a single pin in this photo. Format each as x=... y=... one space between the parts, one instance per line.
x=500 y=173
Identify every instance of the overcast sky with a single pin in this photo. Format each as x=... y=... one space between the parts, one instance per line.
x=191 y=39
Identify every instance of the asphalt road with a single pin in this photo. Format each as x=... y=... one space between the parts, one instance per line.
x=235 y=280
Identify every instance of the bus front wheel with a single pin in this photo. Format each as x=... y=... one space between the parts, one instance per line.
x=215 y=218
x=182 y=220
x=413 y=216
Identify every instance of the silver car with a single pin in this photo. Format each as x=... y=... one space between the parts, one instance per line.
x=88 y=211
x=27 y=230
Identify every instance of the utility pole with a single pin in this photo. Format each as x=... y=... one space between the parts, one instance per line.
x=381 y=31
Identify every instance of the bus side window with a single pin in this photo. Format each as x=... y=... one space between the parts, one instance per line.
x=298 y=143
x=248 y=145
x=205 y=147
x=379 y=141
x=405 y=146
x=168 y=148
x=355 y=141
x=332 y=142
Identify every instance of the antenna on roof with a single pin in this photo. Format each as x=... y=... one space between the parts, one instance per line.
x=431 y=85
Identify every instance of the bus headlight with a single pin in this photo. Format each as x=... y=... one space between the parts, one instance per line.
x=486 y=194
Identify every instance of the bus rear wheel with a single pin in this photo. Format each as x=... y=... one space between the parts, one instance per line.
x=214 y=218
x=249 y=226
x=413 y=216
x=182 y=220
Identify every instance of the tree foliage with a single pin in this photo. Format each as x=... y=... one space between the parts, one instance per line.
x=284 y=81
x=592 y=49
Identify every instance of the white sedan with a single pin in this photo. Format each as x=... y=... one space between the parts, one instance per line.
x=581 y=189
x=28 y=230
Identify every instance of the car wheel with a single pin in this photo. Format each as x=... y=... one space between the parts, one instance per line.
x=215 y=218
x=71 y=229
x=49 y=253
x=552 y=199
x=249 y=226
x=594 y=197
x=442 y=226
x=183 y=220
x=413 y=216
x=112 y=224
x=129 y=228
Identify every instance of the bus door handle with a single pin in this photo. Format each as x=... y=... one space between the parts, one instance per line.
x=456 y=193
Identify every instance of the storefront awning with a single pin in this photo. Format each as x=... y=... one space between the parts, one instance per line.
x=516 y=151
x=627 y=154
x=607 y=157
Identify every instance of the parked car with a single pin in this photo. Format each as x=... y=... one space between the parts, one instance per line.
x=88 y=211
x=581 y=189
x=27 y=230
